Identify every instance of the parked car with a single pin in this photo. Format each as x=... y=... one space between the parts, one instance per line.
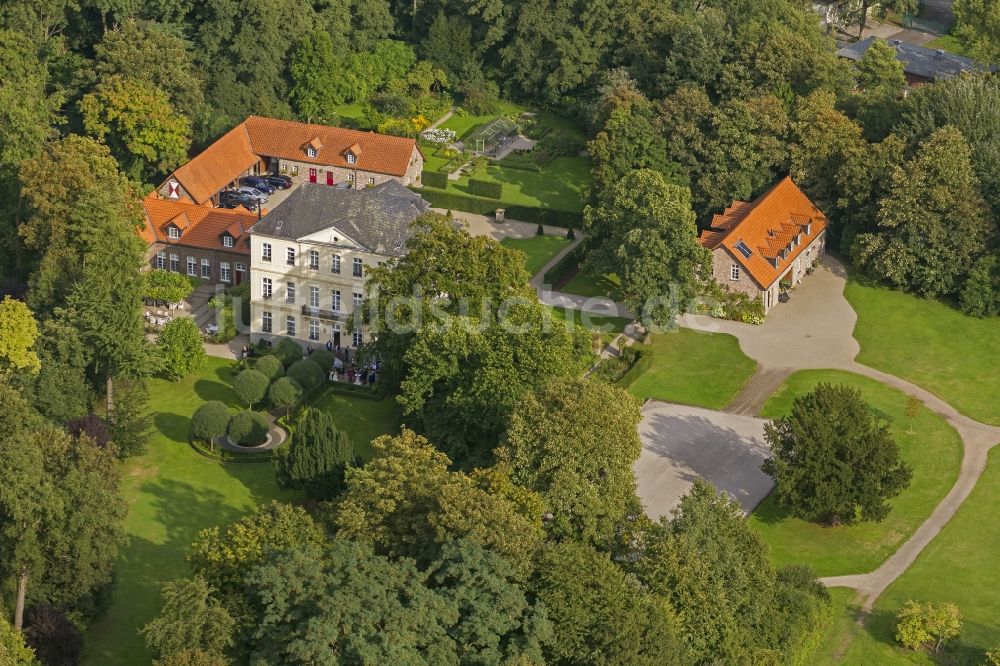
x=253 y=192
x=232 y=199
x=257 y=182
x=280 y=181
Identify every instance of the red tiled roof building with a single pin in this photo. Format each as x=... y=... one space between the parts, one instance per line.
x=758 y=246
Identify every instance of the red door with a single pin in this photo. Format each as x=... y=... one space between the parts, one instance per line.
x=329 y=178
x=312 y=175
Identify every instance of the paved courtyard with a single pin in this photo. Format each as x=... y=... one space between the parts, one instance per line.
x=681 y=444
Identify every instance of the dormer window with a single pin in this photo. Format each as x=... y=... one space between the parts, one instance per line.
x=227 y=241
x=808 y=228
x=351 y=154
x=173 y=232
x=311 y=152
x=351 y=158
x=312 y=148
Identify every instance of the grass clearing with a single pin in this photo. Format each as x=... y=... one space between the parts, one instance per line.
x=959 y=565
x=948 y=43
x=585 y=283
x=934 y=451
x=931 y=344
x=694 y=368
x=173 y=493
x=363 y=419
x=538 y=250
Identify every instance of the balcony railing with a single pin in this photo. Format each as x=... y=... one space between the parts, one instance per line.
x=320 y=313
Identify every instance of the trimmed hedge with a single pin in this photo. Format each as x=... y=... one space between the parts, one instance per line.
x=566 y=266
x=485 y=188
x=480 y=206
x=645 y=361
x=248 y=429
x=434 y=179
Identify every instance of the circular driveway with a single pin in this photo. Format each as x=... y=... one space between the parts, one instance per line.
x=681 y=444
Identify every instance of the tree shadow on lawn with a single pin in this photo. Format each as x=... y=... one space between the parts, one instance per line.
x=174 y=427
x=211 y=390
x=155 y=554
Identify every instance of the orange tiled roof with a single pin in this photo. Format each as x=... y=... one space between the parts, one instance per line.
x=769 y=228
x=218 y=165
x=205 y=228
x=378 y=153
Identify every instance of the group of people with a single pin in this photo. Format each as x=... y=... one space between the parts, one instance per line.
x=346 y=368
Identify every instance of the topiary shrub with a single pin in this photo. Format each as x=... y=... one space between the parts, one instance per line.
x=307 y=373
x=485 y=188
x=271 y=366
x=323 y=358
x=288 y=350
x=248 y=428
x=540 y=231
x=210 y=420
x=250 y=386
x=570 y=234
x=284 y=393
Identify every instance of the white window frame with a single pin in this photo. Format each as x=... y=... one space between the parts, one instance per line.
x=352 y=158
x=175 y=263
x=225 y=272
x=266 y=322
x=290 y=292
x=313 y=329
x=313 y=296
x=266 y=287
x=265 y=252
x=310 y=151
x=295 y=169
x=290 y=325
x=227 y=241
x=371 y=180
x=314 y=260
x=357 y=338
x=734 y=272
x=161 y=260
x=206 y=269
x=335 y=300
x=173 y=232
x=357 y=298
x=192 y=266
x=357 y=267
x=335 y=264
x=290 y=256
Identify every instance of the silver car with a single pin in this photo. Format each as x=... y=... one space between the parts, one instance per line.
x=254 y=192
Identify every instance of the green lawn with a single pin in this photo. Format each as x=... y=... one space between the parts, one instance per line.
x=608 y=326
x=585 y=283
x=960 y=565
x=948 y=43
x=363 y=419
x=463 y=125
x=934 y=451
x=560 y=185
x=172 y=493
x=931 y=344
x=538 y=250
x=350 y=111
x=694 y=368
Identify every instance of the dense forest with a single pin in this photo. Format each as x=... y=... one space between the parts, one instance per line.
x=451 y=545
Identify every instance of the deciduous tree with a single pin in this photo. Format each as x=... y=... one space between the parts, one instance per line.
x=210 y=420
x=646 y=234
x=933 y=224
x=833 y=460
x=139 y=124
x=18 y=332
x=180 y=349
x=574 y=442
x=927 y=625
x=191 y=619
x=978 y=25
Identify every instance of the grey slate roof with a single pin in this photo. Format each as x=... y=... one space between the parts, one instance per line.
x=918 y=60
x=377 y=217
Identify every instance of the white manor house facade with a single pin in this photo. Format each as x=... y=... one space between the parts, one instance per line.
x=309 y=254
